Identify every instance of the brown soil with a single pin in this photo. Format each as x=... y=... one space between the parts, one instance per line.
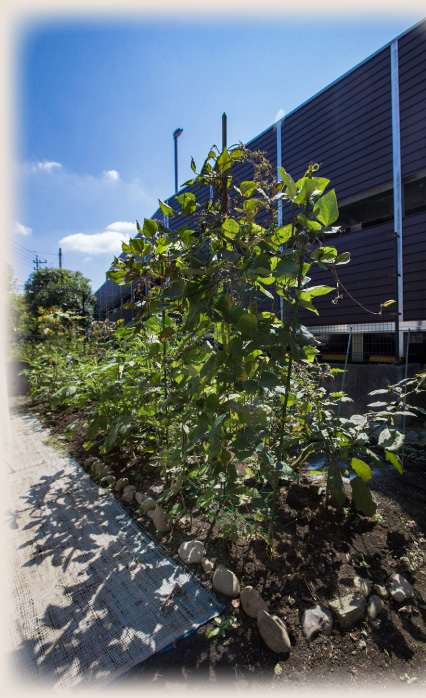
x=317 y=552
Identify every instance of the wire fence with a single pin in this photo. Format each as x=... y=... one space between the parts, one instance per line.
x=375 y=343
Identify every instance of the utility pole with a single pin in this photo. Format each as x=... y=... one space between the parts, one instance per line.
x=38 y=261
x=176 y=135
x=60 y=258
x=223 y=131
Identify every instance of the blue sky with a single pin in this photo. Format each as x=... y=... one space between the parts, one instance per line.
x=97 y=101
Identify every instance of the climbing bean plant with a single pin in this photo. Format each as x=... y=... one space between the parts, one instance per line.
x=232 y=378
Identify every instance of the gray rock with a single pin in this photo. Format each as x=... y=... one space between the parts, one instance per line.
x=226 y=582
x=252 y=602
x=348 y=609
x=162 y=521
x=399 y=589
x=405 y=610
x=105 y=470
x=363 y=586
x=97 y=466
x=381 y=591
x=316 y=620
x=148 y=504
x=108 y=479
x=139 y=497
x=191 y=551
x=129 y=488
x=128 y=497
x=89 y=461
x=207 y=565
x=273 y=632
x=155 y=490
x=374 y=606
x=121 y=484
x=150 y=514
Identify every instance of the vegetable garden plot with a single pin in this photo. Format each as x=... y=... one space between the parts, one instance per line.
x=88 y=585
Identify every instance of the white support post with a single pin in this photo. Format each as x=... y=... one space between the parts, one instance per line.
x=397 y=184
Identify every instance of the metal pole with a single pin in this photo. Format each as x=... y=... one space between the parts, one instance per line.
x=176 y=168
x=346 y=366
x=280 y=203
x=60 y=258
x=406 y=373
x=223 y=131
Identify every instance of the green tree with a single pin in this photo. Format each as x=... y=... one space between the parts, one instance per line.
x=17 y=314
x=59 y=288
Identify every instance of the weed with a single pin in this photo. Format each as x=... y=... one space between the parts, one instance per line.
x=407 y=678
x=223 y=624
x=414 y=559
x=359 y=559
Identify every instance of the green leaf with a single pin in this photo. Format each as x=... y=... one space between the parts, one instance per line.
x=150 y=227
x=363 y=498
x=230 y=227
x=291 y=188
x=247 y=325
x=193 y=166
x=166 y=333
x=119 y=428
x=188 y=203
x=247 y=188
x=166 y=209
x=394 y=460
x=282 y=234
x=308 y=186
x=137 y=245
x=314 y=291
x=224 y=304
x=324 y=254
x=335 y=484
x=212 y=633
x=386 y=303
x=286 y=266
x=269 y=380
x=391 y=439
x=326 y=209
x=361 y=469
x=212 y=402
x=174 y=291
x=223 y=162
x=343 y=258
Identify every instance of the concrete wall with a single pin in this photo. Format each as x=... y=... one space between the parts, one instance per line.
x=363 y=378
x=16 y=384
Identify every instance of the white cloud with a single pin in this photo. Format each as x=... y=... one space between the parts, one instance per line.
x=45 y=166
x=86 y=260
x=121 y=226
x=112 y=174
x=279 y=115
x=108 y=242
x=22 y=229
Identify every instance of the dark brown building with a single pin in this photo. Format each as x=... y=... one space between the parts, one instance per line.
x=368 y=132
